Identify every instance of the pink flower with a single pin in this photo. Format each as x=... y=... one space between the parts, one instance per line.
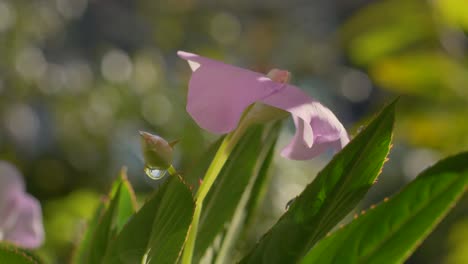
x=20 y=213
x=219 y=93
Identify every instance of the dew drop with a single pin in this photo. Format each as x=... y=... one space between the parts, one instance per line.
x=155 y=174
x=290 y=202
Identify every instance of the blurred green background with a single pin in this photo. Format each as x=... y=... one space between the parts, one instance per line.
x=79 y=78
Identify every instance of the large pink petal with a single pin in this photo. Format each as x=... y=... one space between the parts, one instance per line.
x=219 y=93
x=23 y=221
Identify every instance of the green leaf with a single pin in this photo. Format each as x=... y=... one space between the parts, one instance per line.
x=104 y=230
x=249 y=210
x=331 y=196
x=158 y=229
x=198 y=168
x=251 y=196
x=124 y=207
x=81 y=253
x=127 y=200
x=171 y=224
x=260 y=187
x=224 y=197
x=392 y=231
x=14 y=255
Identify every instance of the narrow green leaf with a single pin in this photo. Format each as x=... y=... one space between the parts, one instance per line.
x=127 y=202
x=171 y=224
x=392 y=231
x=224 y=196
x=104 y=230
x=158 y=229
x=81 y=253
x=250 y=198
x=126 y=206
x=131 y=243
x=257 y=196
x=15 y=255
x=260 y=187
x=331 y=196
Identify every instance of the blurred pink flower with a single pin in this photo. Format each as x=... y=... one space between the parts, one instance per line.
x=219 y=93
x=20 y=213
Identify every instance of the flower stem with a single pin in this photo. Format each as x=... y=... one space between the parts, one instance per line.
x=212 y=173
x=172 y=171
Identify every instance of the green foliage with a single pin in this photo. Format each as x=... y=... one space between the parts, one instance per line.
x=127 y=200
x=453 y=12
x=15 y=255
x=412 y=47
x=81 y=253
x=333 y=194
x=428 y=74
x=155 y=233
x=170 y=224
x=259 y=188
x=373 y=33
x=107 y=222
x=391 y=232
x=66 y=223
x=458 y=243
x=104 y=230
x=245 y=212
x=197 y=169
x=158 y=229
x=238 y=176
x=68 y=113
x=387 y=234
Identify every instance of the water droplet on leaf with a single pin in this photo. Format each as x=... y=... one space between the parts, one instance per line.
x=155 y=174
x=290 y=202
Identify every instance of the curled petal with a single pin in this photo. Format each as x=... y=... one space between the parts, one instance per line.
x=317 y=128
x=219 y=93
x=297 y=150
